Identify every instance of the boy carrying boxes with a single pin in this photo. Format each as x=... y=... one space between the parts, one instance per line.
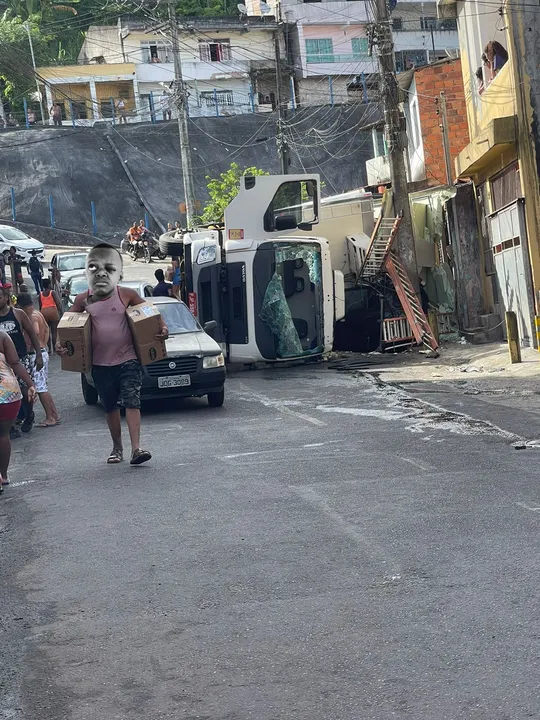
x=116 y=368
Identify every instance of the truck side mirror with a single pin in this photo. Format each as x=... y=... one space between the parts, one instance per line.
x=285 y=222
x=210 y=325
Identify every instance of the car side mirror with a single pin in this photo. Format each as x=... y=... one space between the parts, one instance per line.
x=210 y=325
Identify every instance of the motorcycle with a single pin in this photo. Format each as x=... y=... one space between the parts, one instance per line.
x=145 y=248
x=153 y=245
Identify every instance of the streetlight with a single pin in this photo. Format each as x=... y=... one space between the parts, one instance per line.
x=27 y=28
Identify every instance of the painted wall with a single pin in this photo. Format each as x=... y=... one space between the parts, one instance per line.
x=253 y=45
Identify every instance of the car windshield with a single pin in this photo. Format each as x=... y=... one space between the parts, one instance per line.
x=12 y=234
x=78 y=285
x=178 y=318
x=71 y=262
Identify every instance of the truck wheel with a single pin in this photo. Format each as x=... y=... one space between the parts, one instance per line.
x=170 y=246
x=216 y=399
x=90 y=394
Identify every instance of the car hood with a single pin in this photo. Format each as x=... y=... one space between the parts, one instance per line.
x=29 y=244
x=193 y=343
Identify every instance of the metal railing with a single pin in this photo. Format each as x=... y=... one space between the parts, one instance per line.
x=333 y=58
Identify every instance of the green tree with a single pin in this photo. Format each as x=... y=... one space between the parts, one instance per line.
x=16 y=71
x=223 y=189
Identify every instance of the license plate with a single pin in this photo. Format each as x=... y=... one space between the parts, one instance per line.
x=173 y=381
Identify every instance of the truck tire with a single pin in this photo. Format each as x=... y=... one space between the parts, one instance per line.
x=216 y=399
x=90 y=393
x=170 y=246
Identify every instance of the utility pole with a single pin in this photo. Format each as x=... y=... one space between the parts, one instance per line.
x=283 y=148
x=180 y=99
x=396 y=138
x=27 y=28
x=445 y=139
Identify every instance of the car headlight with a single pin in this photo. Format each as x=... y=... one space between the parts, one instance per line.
x=206 y=255
x=213 y=361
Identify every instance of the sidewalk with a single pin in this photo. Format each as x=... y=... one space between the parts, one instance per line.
x=477 y=380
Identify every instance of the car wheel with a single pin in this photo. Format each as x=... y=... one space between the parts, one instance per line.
x=90 y=393
x=216 y=399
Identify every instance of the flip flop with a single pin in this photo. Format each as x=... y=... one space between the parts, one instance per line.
x=44 y=424
x=115 y=457
x=140 y=456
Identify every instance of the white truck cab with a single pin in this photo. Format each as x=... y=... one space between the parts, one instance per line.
x=274 y=296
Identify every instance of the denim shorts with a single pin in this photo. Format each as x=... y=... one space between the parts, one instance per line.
x=119 y=384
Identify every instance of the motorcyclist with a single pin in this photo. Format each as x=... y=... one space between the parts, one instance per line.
x=133 y=236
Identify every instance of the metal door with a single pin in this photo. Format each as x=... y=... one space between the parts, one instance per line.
x=511 y=258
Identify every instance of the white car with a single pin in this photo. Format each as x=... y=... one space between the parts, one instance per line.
x=24 y=244
x=70 y=263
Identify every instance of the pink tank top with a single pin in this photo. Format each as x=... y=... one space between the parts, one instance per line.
x=112 y=342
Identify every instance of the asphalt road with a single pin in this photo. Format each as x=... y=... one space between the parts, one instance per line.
x=321 y=548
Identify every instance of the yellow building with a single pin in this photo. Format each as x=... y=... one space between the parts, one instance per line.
x=89 y=92
x=497 y=160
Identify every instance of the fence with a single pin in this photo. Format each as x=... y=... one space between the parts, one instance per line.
x=92 y=214
x=154 y=108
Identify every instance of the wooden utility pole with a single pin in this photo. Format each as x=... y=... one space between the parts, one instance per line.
x=180 y=99
x=395 y=136
x=281 y=140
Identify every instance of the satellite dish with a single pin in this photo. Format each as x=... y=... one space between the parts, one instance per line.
x=242 y=8
x=265 y=8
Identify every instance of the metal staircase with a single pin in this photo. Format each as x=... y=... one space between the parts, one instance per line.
x=380 y=258
x=379 y=247
x=409 y=302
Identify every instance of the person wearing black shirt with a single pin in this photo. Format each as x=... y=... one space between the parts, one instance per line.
x=162 y=289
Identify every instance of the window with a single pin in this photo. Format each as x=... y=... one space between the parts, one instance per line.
x=505 y=187
x=397 y=23
x=407 y=59
x=156 y=52
x=428 y=23
x=221 y=97
x=319 y=51
x=294 y=203
x=432 y=23
x=215 y=50
x=448 y=24
x=360 y=48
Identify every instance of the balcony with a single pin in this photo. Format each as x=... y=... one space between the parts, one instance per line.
x=332 y=64
x=331 y=58
x=193 y=70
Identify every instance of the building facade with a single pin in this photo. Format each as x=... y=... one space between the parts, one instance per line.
x=126 y=72
x=331 y=53
x=425 y=159
x=500 y=158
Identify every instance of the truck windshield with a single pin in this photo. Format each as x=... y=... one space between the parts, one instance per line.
x=178 y=318
x=291 y=307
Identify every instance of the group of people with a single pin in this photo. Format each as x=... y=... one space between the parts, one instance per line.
x=116 y=371
x=137 y=231
x=25 y=346
x=494 y=58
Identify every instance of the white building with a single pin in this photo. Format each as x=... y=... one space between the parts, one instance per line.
x=228 y=67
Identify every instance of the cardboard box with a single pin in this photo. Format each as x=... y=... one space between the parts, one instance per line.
x=74 y=333
x=144 y=322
